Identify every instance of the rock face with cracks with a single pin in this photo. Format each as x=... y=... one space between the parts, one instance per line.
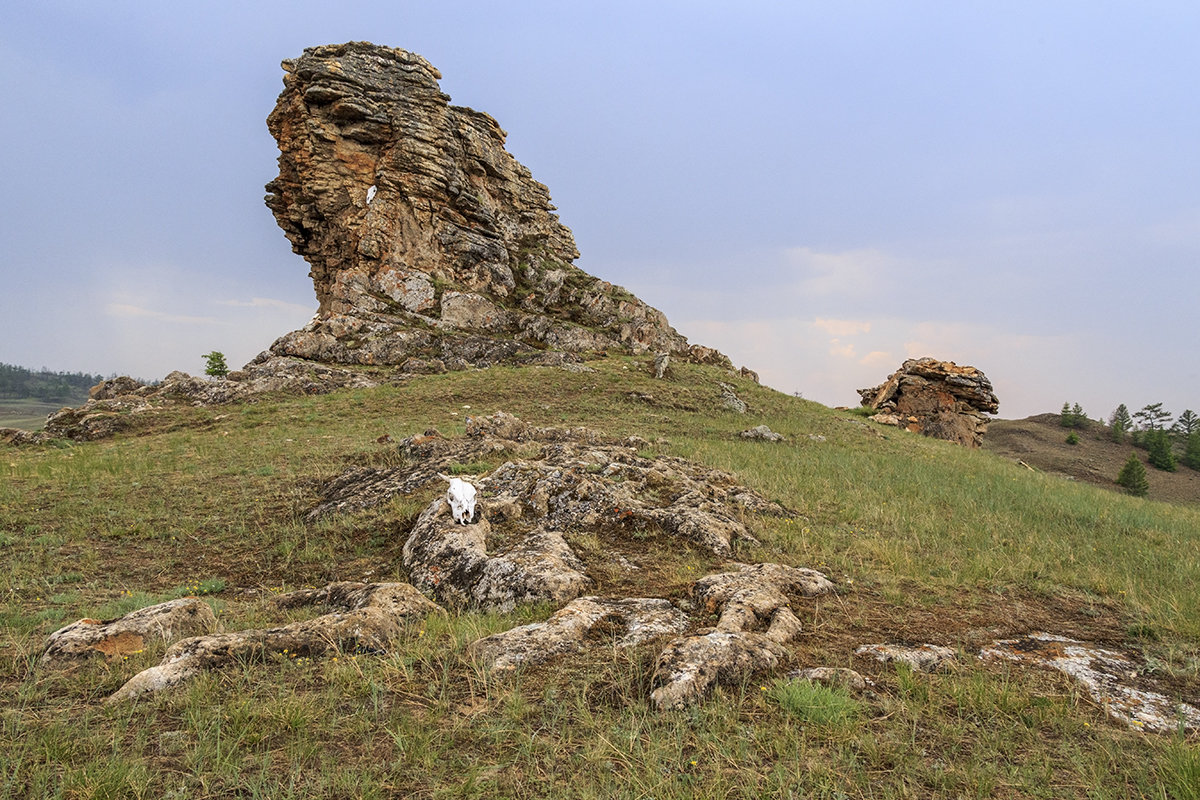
x=567 y=480
x=624 y=623
x=754 y=623
x=131 y=633
x=427 y=241
x=1106 y=675
x=450 y=562
x=368 y=618
x=935 y=398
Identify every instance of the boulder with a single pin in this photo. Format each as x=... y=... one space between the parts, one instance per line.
x=921 y=657
x=587 y=620
x=935 y=398
x=761 y=433
x=450 y=562
x=365 y=618
x=164 y=622
x=754 y=622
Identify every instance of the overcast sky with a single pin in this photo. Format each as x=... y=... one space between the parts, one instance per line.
x=820 y=190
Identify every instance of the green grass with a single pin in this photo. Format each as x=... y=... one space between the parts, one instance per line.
x=927 y=541
x=29 y=415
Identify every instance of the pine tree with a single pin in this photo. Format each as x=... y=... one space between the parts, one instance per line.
x=1072 y=416
x=1187 y=424
x=1191 y=454
x=1133 y=477
x=1079 y=416
x=1152 y=417
x=1119 y=423
x=1159 y=454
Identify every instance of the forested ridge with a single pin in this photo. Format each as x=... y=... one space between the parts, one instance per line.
x=19 y=383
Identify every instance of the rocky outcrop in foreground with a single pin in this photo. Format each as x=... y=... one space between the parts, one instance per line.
x=935 y=398
x=430 y=246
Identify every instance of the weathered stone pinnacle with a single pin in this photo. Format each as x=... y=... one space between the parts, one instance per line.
x=429 y=244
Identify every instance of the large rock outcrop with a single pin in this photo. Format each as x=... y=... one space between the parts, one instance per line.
x=936 y=398
x=429 y=244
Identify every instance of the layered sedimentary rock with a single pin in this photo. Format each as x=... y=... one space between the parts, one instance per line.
x=429 y=244
x=936 y=398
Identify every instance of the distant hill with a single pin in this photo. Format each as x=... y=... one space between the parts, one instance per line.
x=26 y=397
x=1040 y=442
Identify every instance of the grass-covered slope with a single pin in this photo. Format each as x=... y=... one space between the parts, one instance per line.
x=928 y=542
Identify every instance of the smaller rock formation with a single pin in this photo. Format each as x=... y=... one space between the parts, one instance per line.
x=935 y=398
x=921 y=657
x=761 y=433
x=832 y=677
x=368 y=618
x=754 y=623
x=565 y=480
x=620 y=623
x=450 y=562
x=123 y=404
x=131 y=633
x=1108 y=676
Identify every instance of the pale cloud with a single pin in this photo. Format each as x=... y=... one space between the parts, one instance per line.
x=876 y=358
x=269 y=303
x=127 y=310
x=842 y=327
x=836 y=273
x=798 y=355
x=837 y=348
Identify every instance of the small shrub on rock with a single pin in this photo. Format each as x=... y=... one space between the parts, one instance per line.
x=1072 y=438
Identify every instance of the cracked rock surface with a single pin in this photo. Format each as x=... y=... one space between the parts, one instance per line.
x=1108 y=676
x=754 y=622
x=568 y=480
x=368 y=618
x=131 y=633
x=428 y=242
x=451 y=563
x=623 y=623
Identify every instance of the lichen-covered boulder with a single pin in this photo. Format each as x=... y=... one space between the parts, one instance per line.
x=164 y=622
x=754 y=622
x=362 y=618
x=622 y=623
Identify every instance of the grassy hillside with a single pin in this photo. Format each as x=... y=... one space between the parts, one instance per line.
x=1040 y=441
x=29 y=415
x=928 y=542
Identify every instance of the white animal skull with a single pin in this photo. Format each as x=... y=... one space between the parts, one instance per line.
x=461 y=497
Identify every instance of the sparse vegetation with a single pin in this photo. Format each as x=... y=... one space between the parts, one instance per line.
x=926 y=540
